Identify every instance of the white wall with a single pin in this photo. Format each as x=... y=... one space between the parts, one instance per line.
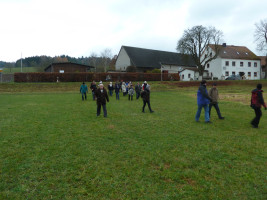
x=123 y=61
x=172 y=68
x=237 y=68
x=185 y=74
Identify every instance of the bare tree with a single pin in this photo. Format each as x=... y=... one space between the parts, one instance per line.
x=93 y=59
x=260 y=35
x=106 y=55
x=195 y=41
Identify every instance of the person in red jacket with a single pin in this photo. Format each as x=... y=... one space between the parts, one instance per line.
x=256 y=102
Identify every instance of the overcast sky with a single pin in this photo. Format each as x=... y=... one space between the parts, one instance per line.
x=80 y=27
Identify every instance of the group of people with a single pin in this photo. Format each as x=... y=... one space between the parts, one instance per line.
x=207 y=99
x=100 y=94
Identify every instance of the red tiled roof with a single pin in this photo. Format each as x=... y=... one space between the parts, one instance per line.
x=235 y=52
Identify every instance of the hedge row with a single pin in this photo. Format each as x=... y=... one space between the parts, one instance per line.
x=80 y=77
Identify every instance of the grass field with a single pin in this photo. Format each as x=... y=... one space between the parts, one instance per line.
x=53 y=146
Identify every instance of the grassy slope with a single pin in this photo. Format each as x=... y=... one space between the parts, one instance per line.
x=53 y=147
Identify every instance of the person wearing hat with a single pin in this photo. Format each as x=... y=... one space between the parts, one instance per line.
x=101 y=98
x=83 y=91
x=256 y=102
x=203 y=101
x=144 y=85
x=110 y=89
x=214 y=95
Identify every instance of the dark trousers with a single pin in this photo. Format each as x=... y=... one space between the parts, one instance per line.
x=217 y=109
x=84 y=96
x=124 y=93
x=93 y=94
x=258 y=113
x=144 y=105
x=137 y=95
x=99 y=109
x=117 y=95
x=110 y=93
x=130 y=97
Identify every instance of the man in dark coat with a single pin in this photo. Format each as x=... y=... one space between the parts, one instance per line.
x=117 y=90
x=256 y=102
x=93 y=89
x=137 y=90
x=101 y=97
x=146 y=99
x=203 y=101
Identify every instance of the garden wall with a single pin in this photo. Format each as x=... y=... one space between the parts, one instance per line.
x=88 y=77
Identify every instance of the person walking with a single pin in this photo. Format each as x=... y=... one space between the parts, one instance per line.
x=145 y=95
x=256 y=102
x=101 y=98
x=130 y=92
x=214 y=95
x=110 y=89
x=123 y=88
x=93 y=89
x=203 y=101
x=83 y=91
x=137 y=90
x=117 y=90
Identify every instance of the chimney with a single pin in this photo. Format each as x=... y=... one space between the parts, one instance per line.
x=224 y=44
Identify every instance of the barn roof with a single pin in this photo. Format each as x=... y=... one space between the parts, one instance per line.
x=149 y=58
x=67 y=63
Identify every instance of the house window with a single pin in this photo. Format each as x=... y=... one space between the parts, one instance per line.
x=189 y=75
x=255 y=74
x=226 y=63
x=233 y=63
x=226 y=73
x=183 y=76
x=208 y=65
x=249 y=74
x=233 y=73
x=255 y=64
x=249 y=64
x=241 y=64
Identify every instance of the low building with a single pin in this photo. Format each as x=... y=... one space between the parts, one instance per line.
x=233 y=60
x=67 y=67
x=192 y=74
x=143 y=60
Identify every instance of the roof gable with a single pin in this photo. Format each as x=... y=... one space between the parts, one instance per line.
x=235 y=52
x=153 y=58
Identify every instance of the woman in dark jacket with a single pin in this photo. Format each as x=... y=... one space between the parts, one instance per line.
x=101 y=97
x=146 y=99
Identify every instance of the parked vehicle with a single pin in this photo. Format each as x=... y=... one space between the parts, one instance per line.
x=233 y=77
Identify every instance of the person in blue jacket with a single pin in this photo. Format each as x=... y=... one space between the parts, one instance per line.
x=203 y=101
x=83 y=91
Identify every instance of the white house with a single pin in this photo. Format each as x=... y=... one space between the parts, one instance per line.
x=191 y=73
x=148 y=59
x=233 y=60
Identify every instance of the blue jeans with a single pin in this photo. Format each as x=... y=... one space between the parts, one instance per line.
x=110 y=92
x=206 y=108
x=117 y=96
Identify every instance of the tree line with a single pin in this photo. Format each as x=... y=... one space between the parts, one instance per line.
x=105 y=61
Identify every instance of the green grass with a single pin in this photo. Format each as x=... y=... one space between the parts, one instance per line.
x=54 y=147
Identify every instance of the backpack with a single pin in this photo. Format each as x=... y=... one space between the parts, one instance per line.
x=254 y=98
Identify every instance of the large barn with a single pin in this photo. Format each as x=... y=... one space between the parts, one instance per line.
x=147 y=59
x=67 y=67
